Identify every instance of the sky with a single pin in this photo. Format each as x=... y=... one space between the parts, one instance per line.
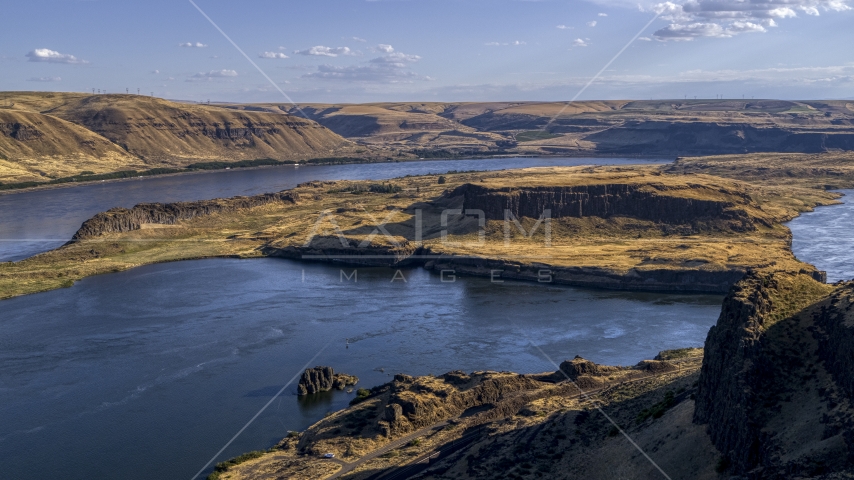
x=431 y=50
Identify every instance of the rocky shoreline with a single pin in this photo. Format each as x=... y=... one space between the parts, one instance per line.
x=694 y=280
x=767 y=398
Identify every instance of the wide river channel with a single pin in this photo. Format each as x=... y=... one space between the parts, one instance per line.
x=148 y=373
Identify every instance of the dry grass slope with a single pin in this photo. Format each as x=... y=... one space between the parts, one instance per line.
x=51 y=135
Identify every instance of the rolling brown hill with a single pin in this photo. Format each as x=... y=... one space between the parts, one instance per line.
x=178 y=133
x=34 y=147
x=395 y=125
x=150 y=132
x=49 y=135
x=613 y=127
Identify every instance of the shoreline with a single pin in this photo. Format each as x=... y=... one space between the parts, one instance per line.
x=47 y=186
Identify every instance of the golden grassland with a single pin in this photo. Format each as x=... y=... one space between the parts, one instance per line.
x=617 y=244
x=833 y=170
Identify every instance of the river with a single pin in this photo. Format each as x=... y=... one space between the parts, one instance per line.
x=825 y=238
x=149 y=372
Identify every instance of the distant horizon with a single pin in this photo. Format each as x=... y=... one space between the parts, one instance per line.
x=309 y=102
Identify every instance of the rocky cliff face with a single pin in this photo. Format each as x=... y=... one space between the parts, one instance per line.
x=34 y=145
x=119 y=220
x=160 y=130
x=645 y=202
x=726 y=392
x=775 y=386
x=323 y=379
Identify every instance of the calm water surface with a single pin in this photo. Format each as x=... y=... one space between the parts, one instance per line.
x=147 y=373
x=825 y=238
x=33 y=222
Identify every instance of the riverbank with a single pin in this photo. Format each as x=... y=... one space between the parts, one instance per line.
x=675 y=233
x=129 y=176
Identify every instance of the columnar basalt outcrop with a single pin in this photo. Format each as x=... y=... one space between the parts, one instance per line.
x=649 y=201
x=119 y=220
x=775 y=386
x=323 y=379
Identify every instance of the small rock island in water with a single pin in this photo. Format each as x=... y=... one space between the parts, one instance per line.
x=323 y=379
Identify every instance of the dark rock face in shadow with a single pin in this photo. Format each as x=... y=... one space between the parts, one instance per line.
x=609 y=200
x=775 y=386
x=119 y=220
x=323 y=379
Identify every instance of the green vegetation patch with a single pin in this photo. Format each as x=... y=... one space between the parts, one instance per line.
x=221 y=467
x=261 y=162
x=90 y=177
x=533 y=135
x=657 y=410
x=361 y=188
x=362 y=394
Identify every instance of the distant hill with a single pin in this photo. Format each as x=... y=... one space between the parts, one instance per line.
x=612 y=127
x=49 y=135
x=44 y=136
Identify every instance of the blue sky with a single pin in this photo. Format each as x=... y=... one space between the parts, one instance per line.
x=432 y=50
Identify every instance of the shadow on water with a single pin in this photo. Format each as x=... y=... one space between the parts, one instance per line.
x=309 y=404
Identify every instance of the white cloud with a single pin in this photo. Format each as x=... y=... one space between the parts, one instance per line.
x=727 y=18
x=645 y=39
x=44 y=79
x=155 y=72
x=283 y=48
x=357 y=39
x=603 y=14
x=51 y=56
x=391 y=68
x=579 y=43
x=498 y=44
x=693 y=30
x=272 y=55
x=193 y=45
x=591 y=23
x=322 y=51
x=385 y=48
x=745 y=27
x=396 y=58
x=564 y=27
x=216 y=74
